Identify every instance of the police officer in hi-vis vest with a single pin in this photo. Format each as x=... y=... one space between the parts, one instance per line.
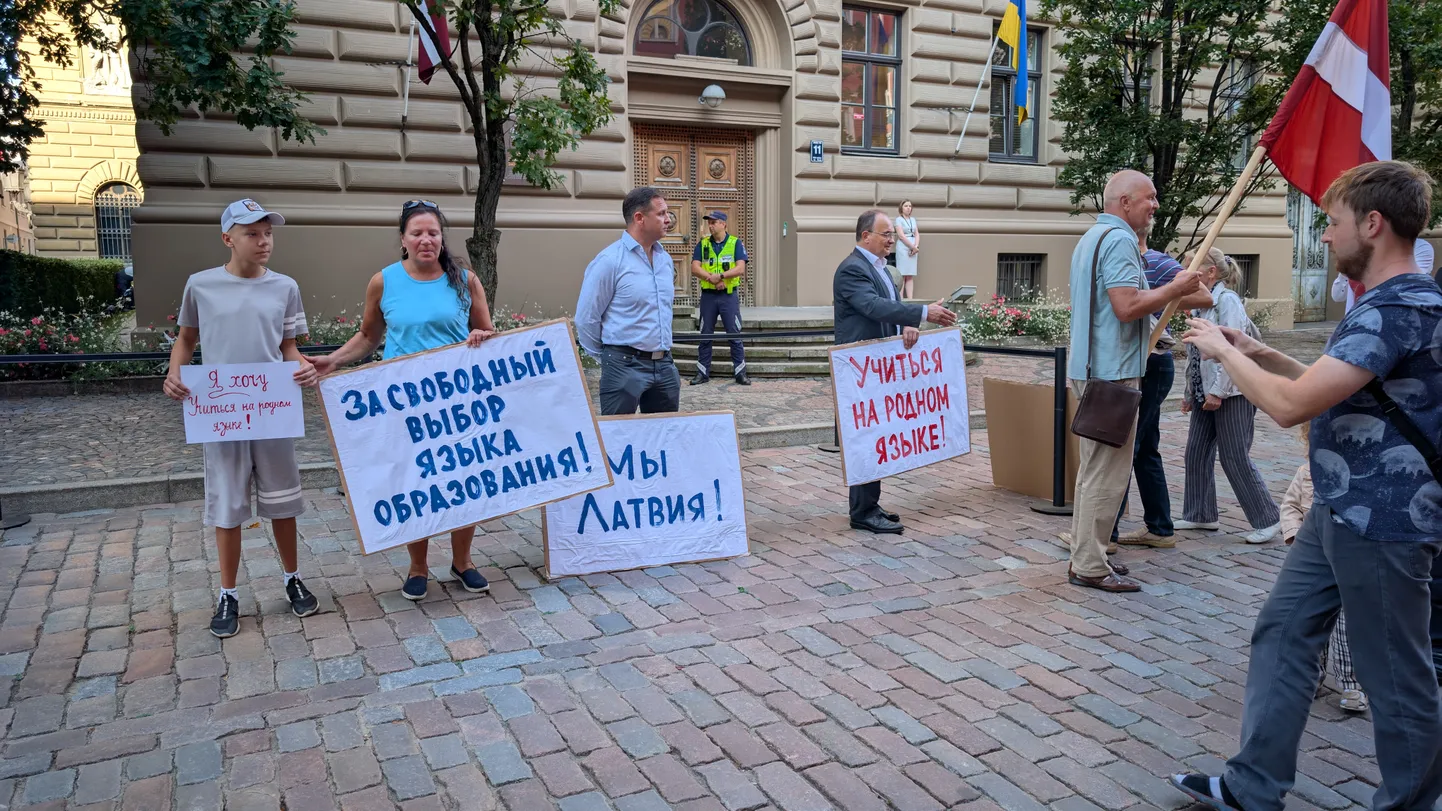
x=719 y=262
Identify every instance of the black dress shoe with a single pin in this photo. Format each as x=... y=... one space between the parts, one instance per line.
x=743 y=380
x=877 y=523
x=889 y=515
x=700 y=379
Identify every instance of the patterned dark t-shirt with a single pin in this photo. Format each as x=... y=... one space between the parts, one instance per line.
x=1367 y=472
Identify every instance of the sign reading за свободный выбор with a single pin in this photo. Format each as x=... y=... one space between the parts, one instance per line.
x=444 y=439
x=235 y=401
x=677 y=498
x=900 y=409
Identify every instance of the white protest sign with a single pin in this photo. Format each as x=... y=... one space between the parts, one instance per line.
x=236 y=401
x=431 y=442
x=677 y=498
x=900 y=409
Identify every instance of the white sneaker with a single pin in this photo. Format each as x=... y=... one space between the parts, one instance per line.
x=1213 y=525
x=1353 y=701
x=1264 y=534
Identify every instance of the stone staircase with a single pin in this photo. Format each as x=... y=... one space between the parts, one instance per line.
x=768 y=357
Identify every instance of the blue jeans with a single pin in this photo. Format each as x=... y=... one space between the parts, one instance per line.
x=1147 y=470
x=1383 y=586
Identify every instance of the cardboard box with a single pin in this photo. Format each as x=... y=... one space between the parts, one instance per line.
x=1020 y=429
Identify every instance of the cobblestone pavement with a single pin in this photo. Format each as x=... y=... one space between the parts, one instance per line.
x=947 y=668
x=50 y=440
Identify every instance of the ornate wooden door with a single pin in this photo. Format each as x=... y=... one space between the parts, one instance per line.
x=701 y=171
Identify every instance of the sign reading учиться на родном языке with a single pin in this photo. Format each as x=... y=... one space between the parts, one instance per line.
x=235 y=401
x=900 y=409
x=677 y=498
x=444 y=439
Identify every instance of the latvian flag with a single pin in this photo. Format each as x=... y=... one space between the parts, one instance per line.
x=430 y=56
x=1338 y=112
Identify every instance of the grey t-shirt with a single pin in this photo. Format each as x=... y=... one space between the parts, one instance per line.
x=242 y=320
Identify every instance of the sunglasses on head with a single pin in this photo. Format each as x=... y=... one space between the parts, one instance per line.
x=410 y=204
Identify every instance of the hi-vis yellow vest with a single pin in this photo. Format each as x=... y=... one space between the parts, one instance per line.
x=711 y=262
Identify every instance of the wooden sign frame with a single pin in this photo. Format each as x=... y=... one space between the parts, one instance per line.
x=745 y=519
x=340 y=467
x=836 y=404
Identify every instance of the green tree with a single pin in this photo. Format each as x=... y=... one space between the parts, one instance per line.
x=530 y=90
x=1415 y=42
x=1132 y=96
x=209 y=54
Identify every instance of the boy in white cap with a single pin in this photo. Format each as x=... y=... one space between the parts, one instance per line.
x=243 y=312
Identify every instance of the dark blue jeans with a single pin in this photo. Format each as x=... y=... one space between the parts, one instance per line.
x=726 y=306
x=1147 y=470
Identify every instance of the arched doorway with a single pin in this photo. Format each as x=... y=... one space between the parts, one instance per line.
x=113 y=203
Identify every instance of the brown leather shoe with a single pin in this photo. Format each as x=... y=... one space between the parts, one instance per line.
x=1119 y=568
x=1113 y=583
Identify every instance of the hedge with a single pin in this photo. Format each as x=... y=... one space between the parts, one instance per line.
x=31 y=284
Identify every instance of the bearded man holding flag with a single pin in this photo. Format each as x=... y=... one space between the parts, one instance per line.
x=1371 y=545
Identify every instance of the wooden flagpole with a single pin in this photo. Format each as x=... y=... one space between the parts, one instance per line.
x=1200 y=255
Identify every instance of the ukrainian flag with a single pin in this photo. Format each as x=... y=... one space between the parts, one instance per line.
x=1013 y=33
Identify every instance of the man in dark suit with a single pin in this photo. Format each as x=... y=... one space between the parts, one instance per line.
x=867 y=307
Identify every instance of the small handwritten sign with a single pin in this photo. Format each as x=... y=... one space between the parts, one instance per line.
x=677 y=498
x=238 y=401
x=900 y=409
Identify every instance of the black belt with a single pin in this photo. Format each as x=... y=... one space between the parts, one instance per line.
x=637 y=353
x=706 y=290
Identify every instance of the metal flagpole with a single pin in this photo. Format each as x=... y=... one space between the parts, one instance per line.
x=410 y=60
x=986 y=71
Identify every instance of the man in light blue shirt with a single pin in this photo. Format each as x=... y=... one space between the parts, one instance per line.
x=623 y=316
x=1108 y=278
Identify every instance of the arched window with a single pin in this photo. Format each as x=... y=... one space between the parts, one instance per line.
x=692 y=28
x=112 y=219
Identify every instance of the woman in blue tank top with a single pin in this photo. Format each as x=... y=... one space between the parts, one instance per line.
x=424 y=301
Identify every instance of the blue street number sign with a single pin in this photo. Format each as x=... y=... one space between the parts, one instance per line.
x=818 y=152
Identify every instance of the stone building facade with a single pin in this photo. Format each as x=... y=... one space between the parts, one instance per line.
x=830 y=108
x=83 y=180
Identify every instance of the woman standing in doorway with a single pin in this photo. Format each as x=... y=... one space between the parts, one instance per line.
x=908 y=245
x=424 y=301
x=1221 y=418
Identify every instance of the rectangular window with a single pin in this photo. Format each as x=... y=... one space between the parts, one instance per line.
x=1012 y=142
x=1248 y=264
x=1019 y=275
x=1237 y=84
x=870 y=81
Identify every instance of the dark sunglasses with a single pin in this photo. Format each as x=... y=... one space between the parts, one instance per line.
x=410 y=204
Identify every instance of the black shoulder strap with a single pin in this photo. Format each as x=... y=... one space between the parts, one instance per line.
x=1407 y=428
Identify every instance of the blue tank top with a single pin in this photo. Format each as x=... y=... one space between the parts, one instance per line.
x=421 y=315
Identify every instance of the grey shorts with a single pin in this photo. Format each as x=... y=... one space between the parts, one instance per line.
x=230 y=467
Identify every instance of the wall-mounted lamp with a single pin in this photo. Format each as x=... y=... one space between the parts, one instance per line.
x=712 y=96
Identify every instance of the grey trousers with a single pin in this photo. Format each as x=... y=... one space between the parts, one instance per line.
x=1384 y=588
x=1228 y=429
x=628 y=382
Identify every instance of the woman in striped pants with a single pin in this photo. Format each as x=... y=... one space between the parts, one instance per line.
x=1221 y=418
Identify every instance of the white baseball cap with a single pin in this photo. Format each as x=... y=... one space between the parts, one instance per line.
x=245 y=212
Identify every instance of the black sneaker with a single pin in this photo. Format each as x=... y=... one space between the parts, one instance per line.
x=226 y=622
x=302 y=602
x=472 y=580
